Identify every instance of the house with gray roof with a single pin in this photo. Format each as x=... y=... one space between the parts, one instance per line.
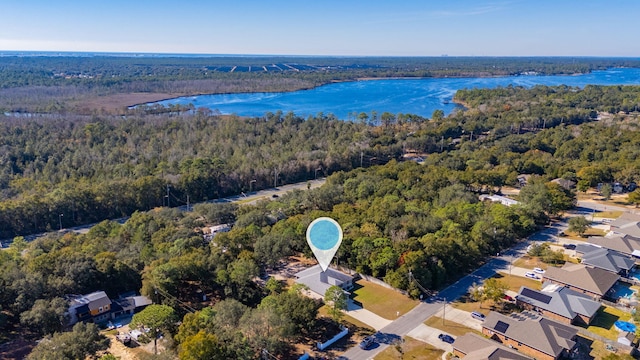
x=605 y=259
x=559 y=303
x=94 y=307
x=471 y=346
x=626 y=224
x=594 y=282
x=624 y=244
x=320 y=281
x=531 y=334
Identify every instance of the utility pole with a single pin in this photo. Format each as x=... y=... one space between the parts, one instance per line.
x=275 y=178
x=361 y=157
x=188 y=208
x=442 y=144
x=168 y=196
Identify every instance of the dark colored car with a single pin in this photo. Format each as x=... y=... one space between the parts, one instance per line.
x=367 y=342
x=569 y=246
x=446 y=338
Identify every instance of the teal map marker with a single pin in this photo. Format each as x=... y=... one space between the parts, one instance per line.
x=324 y=236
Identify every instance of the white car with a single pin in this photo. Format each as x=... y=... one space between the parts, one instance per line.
x=538 y=270
x=531 y=275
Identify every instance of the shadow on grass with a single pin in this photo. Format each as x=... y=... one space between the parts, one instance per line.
x=604 y=320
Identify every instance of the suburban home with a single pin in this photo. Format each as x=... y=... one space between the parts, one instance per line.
x=319 y=281
x=94 y=307
x=605 y=259
x=559 y=303
x=531 y=334
x=626 y=224
x=565 y=183
x=594 y=282
x=97 y=307
x=498 y=198
x=471 y=346
x=128 y=305
x=624 y=244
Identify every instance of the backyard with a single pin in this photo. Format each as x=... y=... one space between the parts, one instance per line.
x=603 y=323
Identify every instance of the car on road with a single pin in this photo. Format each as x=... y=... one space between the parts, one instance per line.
x=446 y=338
x=569 y=246
x=477 y=315
x=538 y=270
x=367 y=342
x=531 y=275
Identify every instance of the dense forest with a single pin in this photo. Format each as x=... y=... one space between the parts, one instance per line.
x=93 y=168
x=398 y=216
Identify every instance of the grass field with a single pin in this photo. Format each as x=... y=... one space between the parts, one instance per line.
x=515 y=282
x=451 y=327
x=411 y=349
x=382 y=301
x=346 y=318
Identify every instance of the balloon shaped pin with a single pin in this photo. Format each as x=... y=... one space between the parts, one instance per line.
x=324 y=236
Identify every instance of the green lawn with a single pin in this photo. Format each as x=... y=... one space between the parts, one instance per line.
x=602 y=324
x=411 y=349
x=382 y=301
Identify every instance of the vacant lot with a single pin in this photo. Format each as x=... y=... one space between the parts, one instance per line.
x=410 y=348
x=382 y=301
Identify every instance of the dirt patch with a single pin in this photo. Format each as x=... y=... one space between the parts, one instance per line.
x=16 y=349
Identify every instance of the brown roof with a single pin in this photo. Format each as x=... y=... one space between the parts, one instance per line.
x=534 y=331
x=595 y=280
x=476 y=347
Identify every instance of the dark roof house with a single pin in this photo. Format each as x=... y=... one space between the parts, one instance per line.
x=531 y=334
x=475 y=347
x=605 y=259
x=559 y=303
x=581 y=278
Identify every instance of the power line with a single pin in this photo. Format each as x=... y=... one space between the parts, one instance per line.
x=171 y=297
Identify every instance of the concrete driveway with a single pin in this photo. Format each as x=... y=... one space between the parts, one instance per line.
x=461 y=317
x=429 y=335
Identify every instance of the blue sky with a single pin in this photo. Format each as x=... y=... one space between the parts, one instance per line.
x=325 y=27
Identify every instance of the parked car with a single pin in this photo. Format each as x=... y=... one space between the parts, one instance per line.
x=538 y=270
x=446 y=338
x=367 y=342
x=509 y=298
x=531 y=275
x=569 y=246
x=477 y=315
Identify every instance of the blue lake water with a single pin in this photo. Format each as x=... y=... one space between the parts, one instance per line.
x=408 y=96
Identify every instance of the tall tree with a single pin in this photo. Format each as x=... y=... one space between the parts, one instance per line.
x=84 y=340
x=156 y=318
x=336 y=300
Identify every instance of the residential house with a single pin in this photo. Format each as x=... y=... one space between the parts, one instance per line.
x=128 y=305
x=475 y=347
x=97 y=307
x=565 y=183
x=320 y=281
x=605 y=259
x=626 y=224
x=594 y=282
x=94 y=307
x=531 y=334
x=498 y=198
x=624 y=244
x=559 y=303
